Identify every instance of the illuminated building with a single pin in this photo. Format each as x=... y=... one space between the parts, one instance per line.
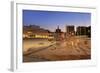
x=34 y=31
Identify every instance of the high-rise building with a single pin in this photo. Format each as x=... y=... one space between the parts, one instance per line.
x=70 y=30
x=83 y=30
x=89 y=31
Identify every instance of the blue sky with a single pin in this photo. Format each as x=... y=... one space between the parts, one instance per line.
x=51 y=19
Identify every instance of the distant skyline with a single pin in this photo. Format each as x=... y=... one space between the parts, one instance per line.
x=51 y=19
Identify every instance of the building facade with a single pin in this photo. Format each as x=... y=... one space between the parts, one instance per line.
x=83 y=30
x=70 y=30
x=36 y=32
x=58 y=34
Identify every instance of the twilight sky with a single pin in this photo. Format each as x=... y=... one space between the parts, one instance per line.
x=51 y=19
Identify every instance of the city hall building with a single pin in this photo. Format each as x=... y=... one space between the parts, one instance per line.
x=34 y=31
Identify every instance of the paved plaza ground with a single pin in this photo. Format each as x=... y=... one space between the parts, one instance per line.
x=72 y=48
